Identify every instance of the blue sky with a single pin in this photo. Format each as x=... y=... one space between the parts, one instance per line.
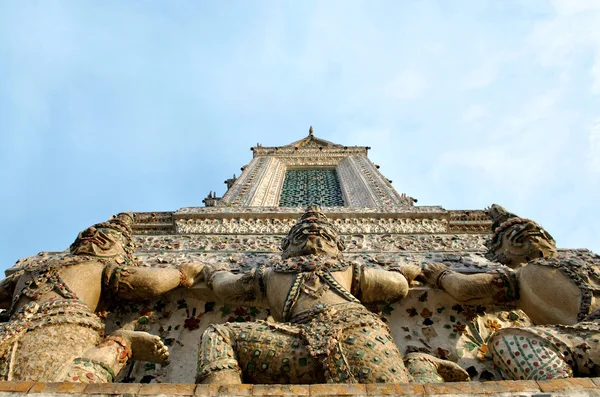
x=148 y=105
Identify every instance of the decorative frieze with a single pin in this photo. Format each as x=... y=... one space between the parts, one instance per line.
x=294 y=152
x=390 y=211
x=466 y=221
x=458 y=216
x=469 y=228
x=153 y=223
x=282 y=226
x=354 y=243
x=241 y=263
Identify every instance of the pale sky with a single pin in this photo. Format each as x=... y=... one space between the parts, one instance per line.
x=148 y=105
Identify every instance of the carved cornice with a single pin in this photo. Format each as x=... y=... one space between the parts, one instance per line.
x=290 y=151
x=153 y=223
x=370 y=219
x=354 y=242
x=283 y=225
x=469 y=221
x=393 y=211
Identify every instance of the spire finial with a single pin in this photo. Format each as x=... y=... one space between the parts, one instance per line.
x=310 y=131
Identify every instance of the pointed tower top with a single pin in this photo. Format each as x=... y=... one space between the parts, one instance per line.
x=312 y=141
x=313 y=171
x=309 y=142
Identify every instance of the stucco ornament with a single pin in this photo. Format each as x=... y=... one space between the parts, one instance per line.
x=53 y=333
x=321 y=332
x=558 y=292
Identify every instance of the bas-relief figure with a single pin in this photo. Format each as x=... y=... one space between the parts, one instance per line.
x=321 y=332
x=53 y=333
x=559 y=294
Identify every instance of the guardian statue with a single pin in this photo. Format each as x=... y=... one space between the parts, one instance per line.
x=321 y=331
x=559 y=293
x=53 y=333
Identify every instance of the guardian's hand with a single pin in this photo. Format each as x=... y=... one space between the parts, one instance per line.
x=432 y=274
x=191 y=273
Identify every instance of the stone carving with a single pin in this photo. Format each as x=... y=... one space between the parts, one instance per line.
x=363 y=185
x=192 y=212
x=211 y=200
x=269 y=188
x=280 y=226
x=558 y=293
x=517 y=240
x=53 y=333
x=163 y=223
x=354 y=242
x=239 y=193
x=379 y=188
x=322 y=332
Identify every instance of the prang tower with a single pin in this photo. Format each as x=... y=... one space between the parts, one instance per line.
x=281 y=181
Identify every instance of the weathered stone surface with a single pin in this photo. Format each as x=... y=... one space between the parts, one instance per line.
x=481 y=387
x=280 y=226
x=263 y=211
x=386 y=389
x=112 y=388
x=22 y=387
x=240 y=390
x=58 y=387
x=170 y=389
x=53 y=332
x=281 y=390
x=271 y=242
x=554 y=385
x=338 y=390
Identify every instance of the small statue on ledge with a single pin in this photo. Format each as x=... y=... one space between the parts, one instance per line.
x=322 y=333
x=53 y=334
x=559 y=294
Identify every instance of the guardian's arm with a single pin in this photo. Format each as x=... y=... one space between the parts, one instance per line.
x=139 y=283
x=379 y=285
x=235 y=288
x=500 y=285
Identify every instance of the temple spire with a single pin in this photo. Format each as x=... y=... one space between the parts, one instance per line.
x=310 y=131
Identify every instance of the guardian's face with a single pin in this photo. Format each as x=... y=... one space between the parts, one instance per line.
x=516 y=240
x=522 y=243
x=101 y=242
x=313 y=235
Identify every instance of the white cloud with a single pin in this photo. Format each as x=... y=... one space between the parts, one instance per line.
x=540 y=107
x=481 y=77
x=569 y=7
x=568 y=38
x=408 y=84
x=501 y=165
x=594 y=150
x=353 y=136
x=596 y=74
x=475 y=113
